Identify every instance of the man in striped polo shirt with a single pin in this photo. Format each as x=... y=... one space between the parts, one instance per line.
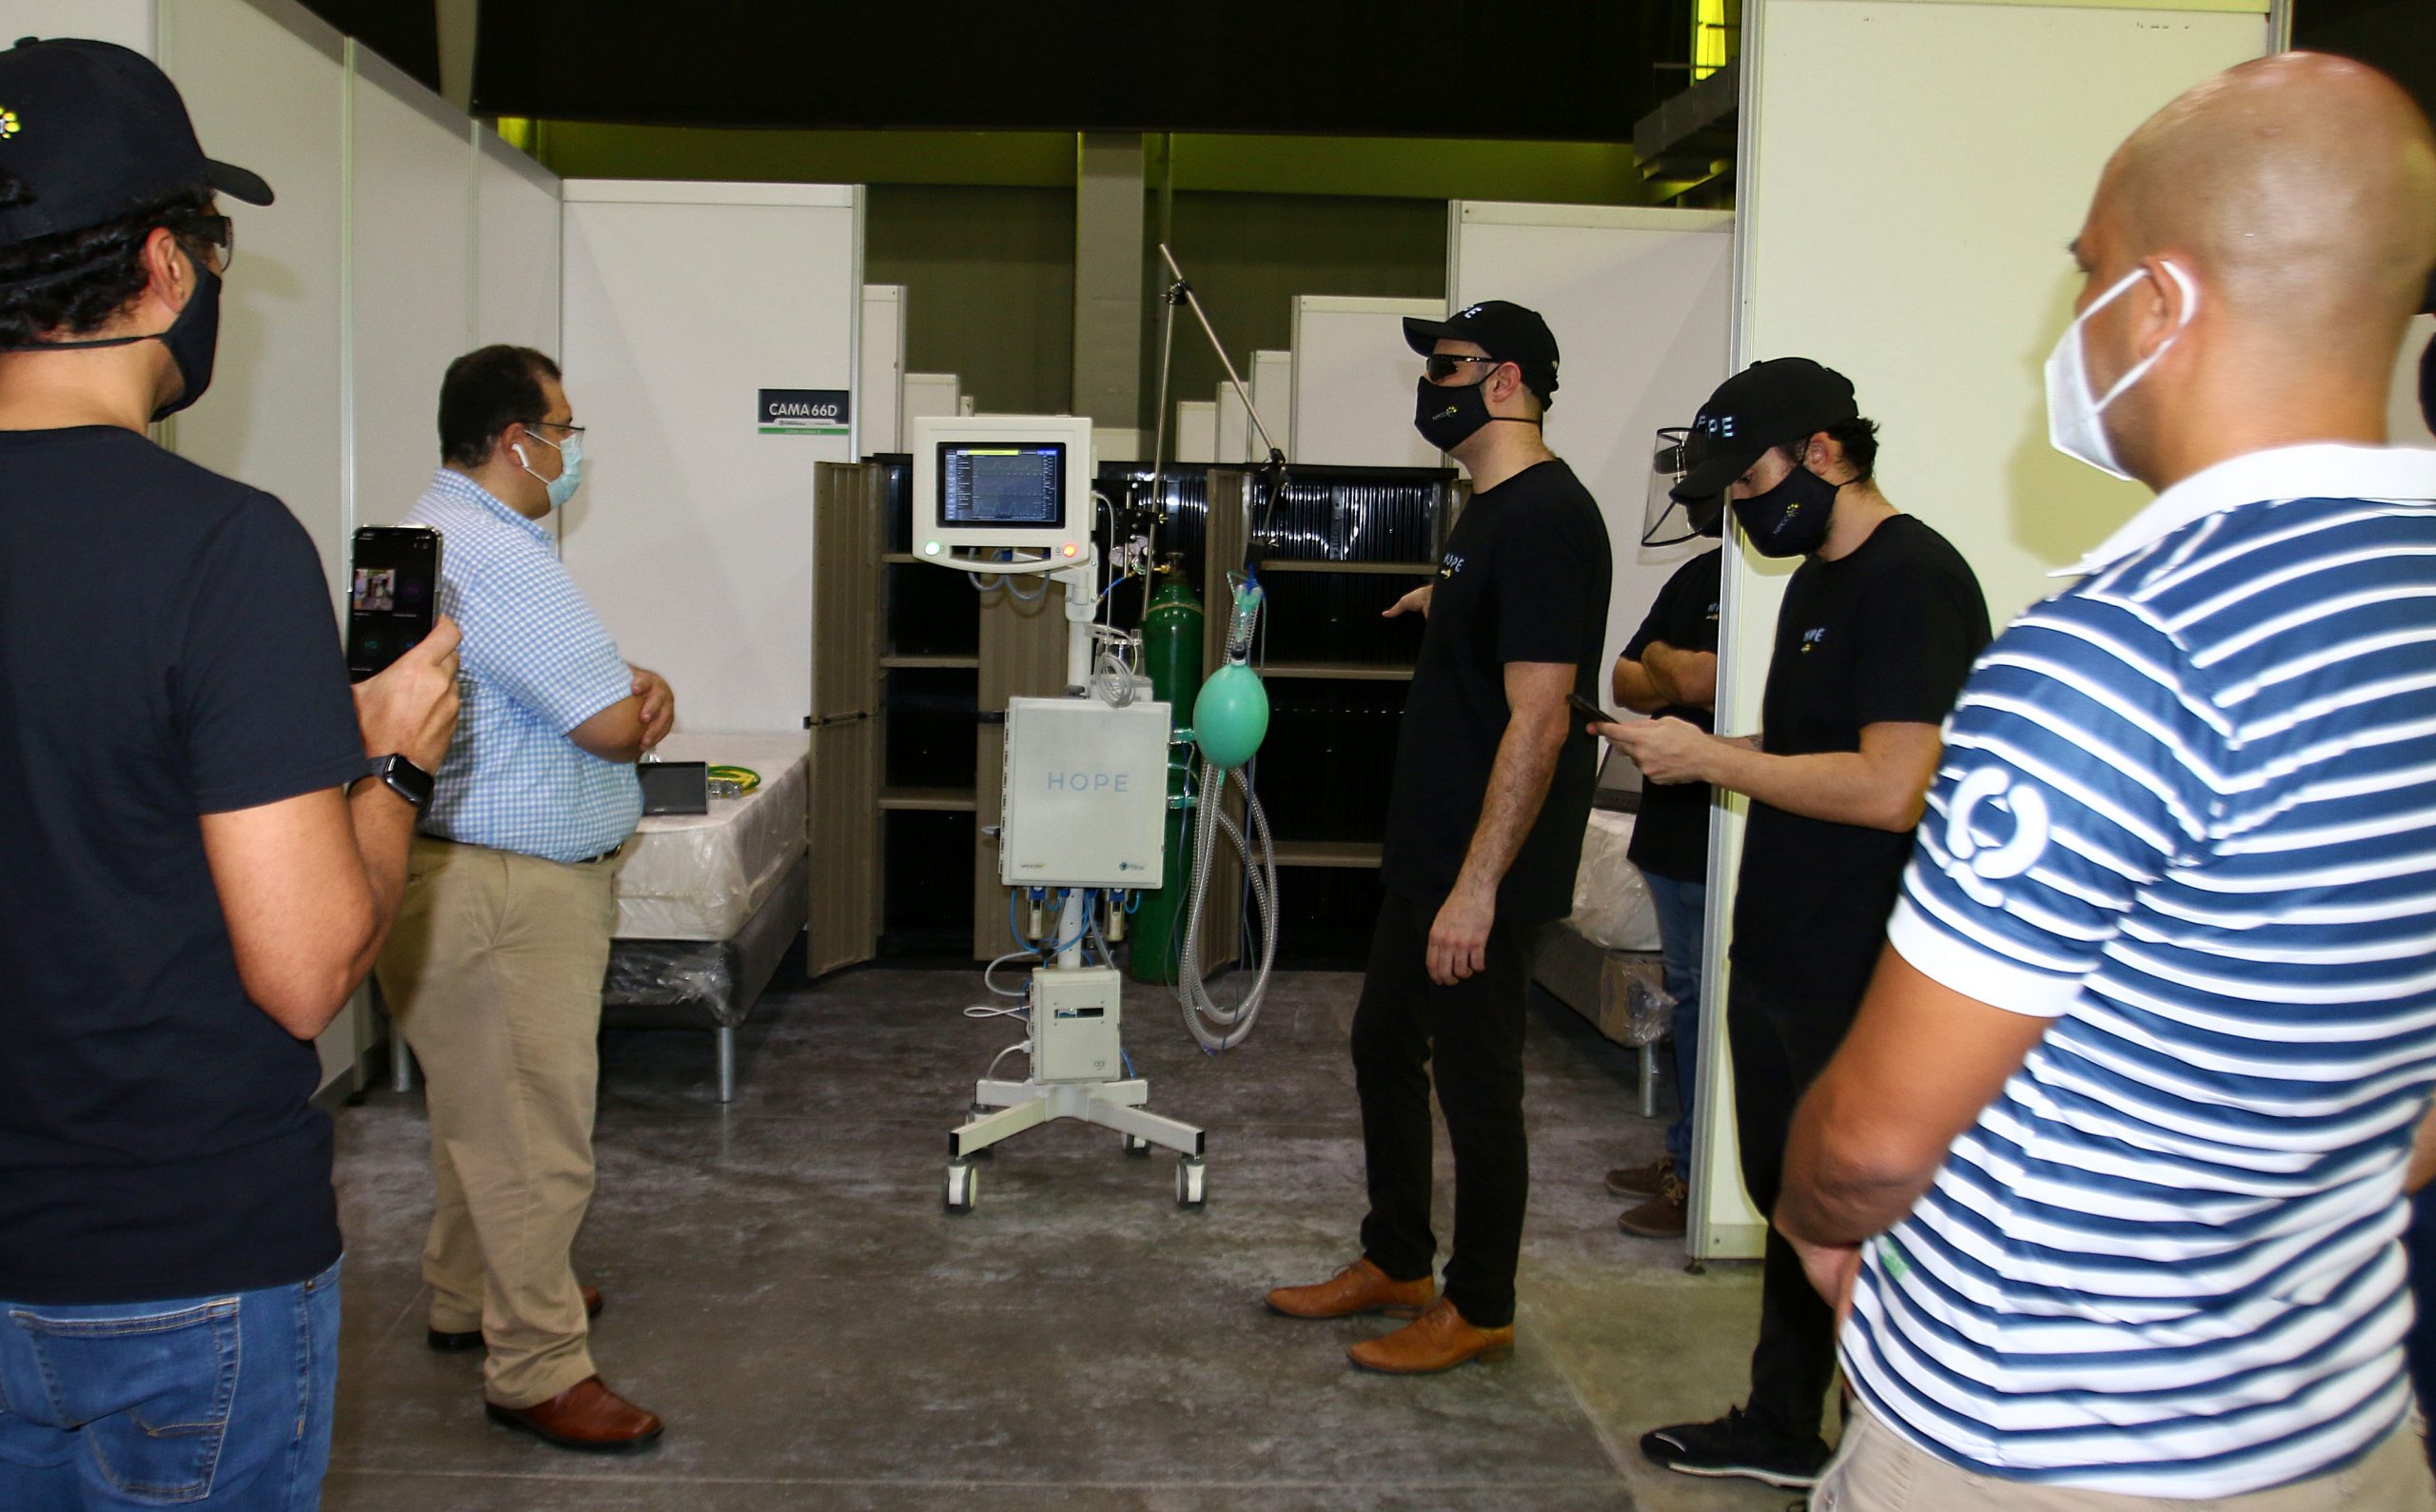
x=494 y=971
x=2109 y=1175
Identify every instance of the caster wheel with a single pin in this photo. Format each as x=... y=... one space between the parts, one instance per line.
x=959 y=1189
x=1192 y=1183
x=1138 y=1148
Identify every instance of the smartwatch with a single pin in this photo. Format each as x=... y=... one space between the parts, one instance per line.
x=404 y=778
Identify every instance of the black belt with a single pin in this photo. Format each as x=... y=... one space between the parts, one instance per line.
x=609 y=854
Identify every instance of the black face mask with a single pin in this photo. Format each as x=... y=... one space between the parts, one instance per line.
x=1791 y=518
x=1446 y=418
x=193 y=341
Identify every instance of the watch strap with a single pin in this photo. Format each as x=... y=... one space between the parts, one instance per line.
x=404 y=778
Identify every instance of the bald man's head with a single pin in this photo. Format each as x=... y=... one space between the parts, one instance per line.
x=2300 y=190
x=2266 y=238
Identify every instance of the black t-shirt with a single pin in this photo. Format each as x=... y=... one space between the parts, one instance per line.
x=1885 y=635
x=1671 y=833
x=166 y=650
x=1524 y=579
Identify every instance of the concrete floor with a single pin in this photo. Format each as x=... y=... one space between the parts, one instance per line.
x=785 y=1290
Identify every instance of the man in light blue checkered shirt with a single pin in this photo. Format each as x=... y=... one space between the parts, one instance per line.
x=494 y=970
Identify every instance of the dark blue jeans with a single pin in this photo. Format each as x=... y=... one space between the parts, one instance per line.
x=1682 y=911
x=220 y=1401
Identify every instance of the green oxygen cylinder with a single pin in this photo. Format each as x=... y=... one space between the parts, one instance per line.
x=1171 y=640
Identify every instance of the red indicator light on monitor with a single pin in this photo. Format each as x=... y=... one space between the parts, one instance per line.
x=1069 y=548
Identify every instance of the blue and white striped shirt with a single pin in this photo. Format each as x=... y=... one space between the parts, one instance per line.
x=535 y=663
x=2186 y=811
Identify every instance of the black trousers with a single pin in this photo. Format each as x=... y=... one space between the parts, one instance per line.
x=1468 y=1037
x=1780 y=1041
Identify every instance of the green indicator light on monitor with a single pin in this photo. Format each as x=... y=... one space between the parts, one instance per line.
x=931 y=549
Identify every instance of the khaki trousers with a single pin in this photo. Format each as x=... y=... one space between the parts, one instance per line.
x=1876 y=1469
x=493 y=977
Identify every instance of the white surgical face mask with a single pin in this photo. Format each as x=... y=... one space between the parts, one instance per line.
x=2074 y=425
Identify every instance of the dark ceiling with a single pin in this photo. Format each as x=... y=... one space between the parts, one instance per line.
x=1557 y=69
x=1561 y=70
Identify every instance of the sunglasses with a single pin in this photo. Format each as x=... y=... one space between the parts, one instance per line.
x=1441 y=366
x=217 y=231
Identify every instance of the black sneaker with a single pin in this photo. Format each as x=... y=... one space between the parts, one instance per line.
x=1736 y=1445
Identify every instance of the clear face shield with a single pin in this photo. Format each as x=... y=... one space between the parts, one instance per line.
x=1669 y=521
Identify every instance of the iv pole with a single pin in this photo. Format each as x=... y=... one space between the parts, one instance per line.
x=1273 y=470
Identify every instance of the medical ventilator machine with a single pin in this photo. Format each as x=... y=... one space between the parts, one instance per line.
x=1086 y=792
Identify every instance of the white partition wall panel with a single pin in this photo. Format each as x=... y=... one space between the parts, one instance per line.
x=1271 y=380
x=2406 y=423
x=266 y=85
x=1640 y=302
x=269 y=92
x=931 y=394
x=129 y=23
x=1196 y=431
x=413 y=286
x=516 y=248
x=1942 y=314
x=1233 y=430
x=879 y=394
x=1354 y=382
x=692 y=534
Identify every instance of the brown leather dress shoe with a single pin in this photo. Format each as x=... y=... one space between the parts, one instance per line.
x=1438 y=1340
x=586 y=1416
x=1665 y=1216
x=1358 y=1287
x=1641 y=1181
x=472 y=1338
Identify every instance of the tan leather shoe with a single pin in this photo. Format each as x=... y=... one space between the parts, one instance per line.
x=586 y=1416
x=450 y=1343
x=1358 y=1287
x=1438 y=1340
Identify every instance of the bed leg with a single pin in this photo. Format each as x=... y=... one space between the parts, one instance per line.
x=1649 y=1081
x=727 y=1063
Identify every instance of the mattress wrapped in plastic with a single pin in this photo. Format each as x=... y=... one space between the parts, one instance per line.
x=699 y=877
x=680 y=984
x=1611 y=903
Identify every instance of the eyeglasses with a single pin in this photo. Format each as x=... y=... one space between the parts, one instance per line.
x=555 y=424
x=1441 y=366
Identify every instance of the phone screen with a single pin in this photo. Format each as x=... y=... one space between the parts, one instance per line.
x=393 y=592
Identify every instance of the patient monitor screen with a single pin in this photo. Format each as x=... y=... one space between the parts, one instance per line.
x=1016 y=486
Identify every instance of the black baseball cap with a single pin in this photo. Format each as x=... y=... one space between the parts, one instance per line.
x=1766 y=404
x=1506 y=332
x=92 y=129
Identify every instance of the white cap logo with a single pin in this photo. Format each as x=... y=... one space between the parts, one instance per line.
x=1974 y=865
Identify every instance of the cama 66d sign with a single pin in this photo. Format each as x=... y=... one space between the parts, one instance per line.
x=802 y=412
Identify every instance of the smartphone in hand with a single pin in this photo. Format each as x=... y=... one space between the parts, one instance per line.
x=1590 y=711
x=393 y=596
